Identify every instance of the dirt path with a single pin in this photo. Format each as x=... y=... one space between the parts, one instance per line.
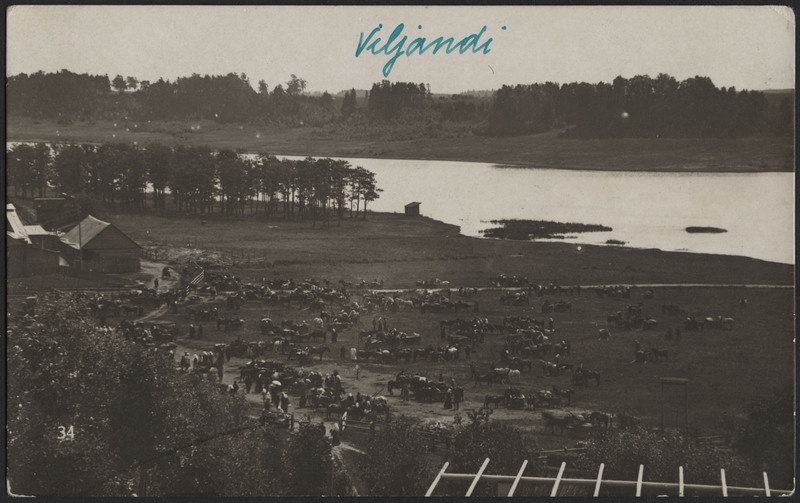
x=154 y=270
x=644 y=285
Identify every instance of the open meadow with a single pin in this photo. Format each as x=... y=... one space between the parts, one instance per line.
x=726 y=368
x=435 y=142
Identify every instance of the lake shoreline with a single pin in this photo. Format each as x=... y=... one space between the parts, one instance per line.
x=545 y=150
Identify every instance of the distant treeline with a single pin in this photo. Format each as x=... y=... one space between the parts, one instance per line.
x=69 y=97
x=638 y=107
x=198 y=179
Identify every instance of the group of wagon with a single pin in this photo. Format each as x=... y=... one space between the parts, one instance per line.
x=577 y=422
x=713 y=322
x=514 y=398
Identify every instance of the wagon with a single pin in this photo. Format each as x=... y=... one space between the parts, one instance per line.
x=514 y=399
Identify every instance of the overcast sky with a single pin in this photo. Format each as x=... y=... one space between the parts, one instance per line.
x=747 y=47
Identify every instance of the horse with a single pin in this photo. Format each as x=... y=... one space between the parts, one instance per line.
x=563 y=348
x=488 y=378
x=493 y=400
x=564 y=393
x=598 y=418
x=337 y=409
x=318 y=351
x=301 y=355
x=561 y=422
x=582 y=376
x=649 y=324
x=513 y=375
x=548 y=368
x=658 y=353
x=516 y=363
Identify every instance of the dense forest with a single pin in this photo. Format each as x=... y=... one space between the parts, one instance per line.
x=640 y=106
x=199 y=179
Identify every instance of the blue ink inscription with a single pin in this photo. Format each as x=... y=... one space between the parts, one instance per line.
x=395 y=46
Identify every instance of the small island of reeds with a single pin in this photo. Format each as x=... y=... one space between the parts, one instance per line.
x=533 y=229
x=698 y=230
x=615 y=242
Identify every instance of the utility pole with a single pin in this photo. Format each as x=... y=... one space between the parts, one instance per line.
x=70 y=197
x=80 y=242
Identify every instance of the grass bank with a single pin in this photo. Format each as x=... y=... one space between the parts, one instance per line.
x=542 y=150
x=403 y=250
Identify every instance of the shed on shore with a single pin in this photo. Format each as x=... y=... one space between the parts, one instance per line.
x=412 y=209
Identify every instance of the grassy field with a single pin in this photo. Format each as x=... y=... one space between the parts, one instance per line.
x=726 y=368
x=403 y=250
x=542 y=150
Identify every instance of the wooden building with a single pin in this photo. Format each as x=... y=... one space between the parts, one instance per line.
x=412 y=209
x=26 y=254
x=98 y=246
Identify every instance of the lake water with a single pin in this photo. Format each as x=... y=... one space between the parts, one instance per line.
x=646 y=210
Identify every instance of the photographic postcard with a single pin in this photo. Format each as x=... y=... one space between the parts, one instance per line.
x=271 y=251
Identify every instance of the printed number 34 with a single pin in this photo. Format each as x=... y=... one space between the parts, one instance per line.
x=66 y=433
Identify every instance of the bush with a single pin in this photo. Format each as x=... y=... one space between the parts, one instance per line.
x=98 y=414
x=395 y=463
x=661 y=453
x=505 y=446
x=308 y=461
x=767 y=437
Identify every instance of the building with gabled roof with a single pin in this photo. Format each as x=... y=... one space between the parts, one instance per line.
x=102 y=247
x=15 y=230
x=28 y=247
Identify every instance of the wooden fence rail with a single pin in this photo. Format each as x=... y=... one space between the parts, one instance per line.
x=636 y=487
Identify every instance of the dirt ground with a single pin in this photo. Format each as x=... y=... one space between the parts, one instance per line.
x=725 y=368
x=718 y=363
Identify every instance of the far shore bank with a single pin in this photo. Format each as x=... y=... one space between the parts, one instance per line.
x=545 y=150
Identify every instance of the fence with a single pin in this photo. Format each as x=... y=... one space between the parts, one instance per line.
x=636 y=487
x=236 y=256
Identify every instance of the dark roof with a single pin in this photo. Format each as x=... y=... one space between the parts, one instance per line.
x=409 y=205
x=90 y=228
